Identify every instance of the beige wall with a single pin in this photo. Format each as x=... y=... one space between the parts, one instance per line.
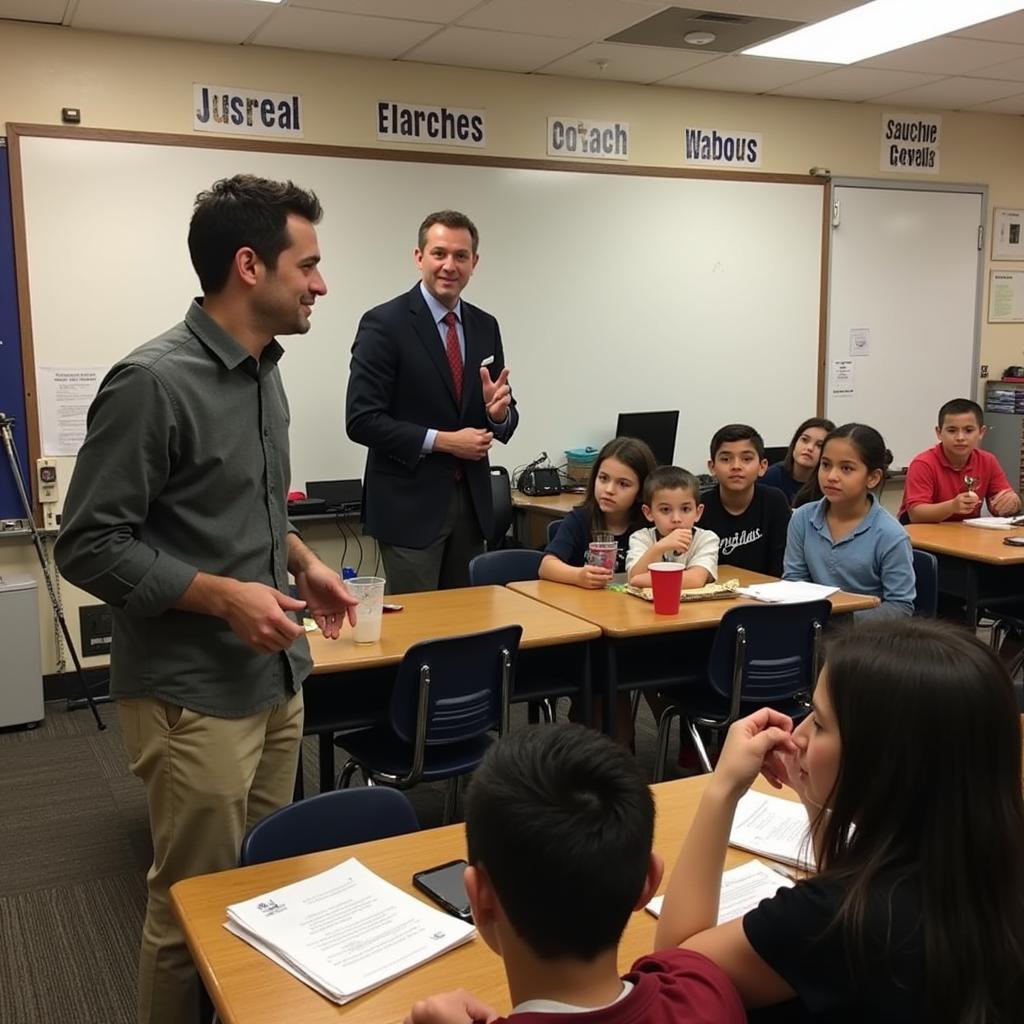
x=131 y=83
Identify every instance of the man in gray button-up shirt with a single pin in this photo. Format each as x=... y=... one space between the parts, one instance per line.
x=176 y=517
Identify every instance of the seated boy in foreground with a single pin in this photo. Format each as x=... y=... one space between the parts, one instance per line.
x=559 y=824
x=672 y=504
x=950 y=480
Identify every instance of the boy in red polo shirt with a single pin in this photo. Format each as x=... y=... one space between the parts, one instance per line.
x=950 y=481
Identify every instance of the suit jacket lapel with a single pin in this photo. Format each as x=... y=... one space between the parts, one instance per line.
x=471 y=366
x=424 y=326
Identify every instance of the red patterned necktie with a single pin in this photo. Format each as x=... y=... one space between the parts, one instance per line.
x=454 y=354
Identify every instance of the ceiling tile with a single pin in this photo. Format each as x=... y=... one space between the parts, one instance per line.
x=625 y=63
x=1008 y=105
x=590 y=19
x=215 y=21
x=49 y=11
x=1011 y=71
x=736 y=73
x=499 y=51
x=854 y=84
x=355 y=34
x=794 y=10
x=1000 y=30
x=439 y=12
x=945 y=56
x=953 y=93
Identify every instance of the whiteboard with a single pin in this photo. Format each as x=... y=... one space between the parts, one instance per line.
x=614 y=292
x=905 y=267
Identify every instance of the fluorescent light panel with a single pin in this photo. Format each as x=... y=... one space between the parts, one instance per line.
x=879 y=27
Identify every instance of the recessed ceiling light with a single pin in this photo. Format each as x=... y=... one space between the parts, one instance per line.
x=699 y=38
x=880 y=26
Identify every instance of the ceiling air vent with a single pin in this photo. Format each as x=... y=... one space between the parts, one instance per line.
x=670 y=27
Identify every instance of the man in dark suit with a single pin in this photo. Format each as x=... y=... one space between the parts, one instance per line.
x=427 y=394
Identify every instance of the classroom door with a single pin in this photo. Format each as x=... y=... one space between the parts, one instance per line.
x=903 y=307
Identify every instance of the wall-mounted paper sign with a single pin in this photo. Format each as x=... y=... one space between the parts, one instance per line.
x=842 y=378
x=580 y=138
x=223 y=108
x=860 y=341
x=1006 y=296
x=1007 y=234
x=911 y=142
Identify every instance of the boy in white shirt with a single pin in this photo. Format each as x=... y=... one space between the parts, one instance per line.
x=672 y=504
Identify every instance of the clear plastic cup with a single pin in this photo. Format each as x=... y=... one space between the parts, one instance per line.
x=667 y=584
x=602 y=552
x=369 y=591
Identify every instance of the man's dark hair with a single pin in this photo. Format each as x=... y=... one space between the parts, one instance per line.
x=561 y=820
x=244 y=211
x=737 y=432
x=957 y=407
x=450 y=219
x=670 y=478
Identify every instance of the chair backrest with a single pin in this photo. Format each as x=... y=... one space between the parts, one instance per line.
x=553 y=529
x=455 y=689
x=767 y=654
x=501 y=498
x=338 y=818
x=926 y=575
x=496 y=568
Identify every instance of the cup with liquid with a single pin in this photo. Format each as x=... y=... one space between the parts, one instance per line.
x=602 y=553
x=369 y=592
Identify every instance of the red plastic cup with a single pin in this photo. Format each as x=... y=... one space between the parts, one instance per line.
x=667 y=584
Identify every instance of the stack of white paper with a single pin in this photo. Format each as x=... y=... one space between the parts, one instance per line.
x=992 y=522
x=742 y=889
x=787 y=591
x=772 y=827
x=345 y=930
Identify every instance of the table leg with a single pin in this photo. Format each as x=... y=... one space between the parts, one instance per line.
x=611 y=687
x=971 y=594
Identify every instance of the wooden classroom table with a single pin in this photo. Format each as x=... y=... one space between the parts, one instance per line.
x=536 y=513
x=974 y=564
x=247 y=988
x=624 y=618
x=431 y=616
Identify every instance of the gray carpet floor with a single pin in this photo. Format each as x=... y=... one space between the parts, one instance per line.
x=74 y=849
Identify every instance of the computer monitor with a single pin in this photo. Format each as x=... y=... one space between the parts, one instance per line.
x=658 y=429
x=775 y=453
x=340 y=495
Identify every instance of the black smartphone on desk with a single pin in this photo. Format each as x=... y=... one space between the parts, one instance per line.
x=446 y=886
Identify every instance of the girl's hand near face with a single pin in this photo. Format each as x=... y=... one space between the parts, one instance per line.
x=757 y=744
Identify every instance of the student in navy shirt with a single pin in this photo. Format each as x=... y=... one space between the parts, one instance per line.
x=613 y=506
x=801 y=461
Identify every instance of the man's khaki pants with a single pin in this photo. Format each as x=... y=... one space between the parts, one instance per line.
x=207 y=781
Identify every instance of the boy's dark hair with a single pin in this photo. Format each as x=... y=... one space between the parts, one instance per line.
x=450 y=219
x=957 y=407
x=561 y=820
x=737 y=432
x=670 y=478
x=244 y=211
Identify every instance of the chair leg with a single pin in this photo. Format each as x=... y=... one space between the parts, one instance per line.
x=348 y=770
x=664 y=731
x=634 y=705
x=451 y=799
x=547 y=709
x=699 y=745
x=300 y=787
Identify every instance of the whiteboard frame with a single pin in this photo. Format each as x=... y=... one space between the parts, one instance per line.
x=974 y=386
x=16 y=131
